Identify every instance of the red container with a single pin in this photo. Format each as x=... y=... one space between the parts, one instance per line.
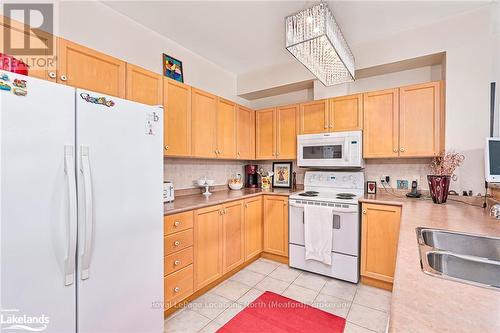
x=11 y=64
x=439 y=186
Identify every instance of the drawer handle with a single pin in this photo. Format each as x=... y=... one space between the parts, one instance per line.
x=177 y=263
x=177 y=243
x=177 y=223
x=177 y=289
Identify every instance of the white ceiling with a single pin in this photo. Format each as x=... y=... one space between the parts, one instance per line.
x=243 y=36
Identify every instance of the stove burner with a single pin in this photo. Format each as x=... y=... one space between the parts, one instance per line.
x=309 y=194
x=346 y=196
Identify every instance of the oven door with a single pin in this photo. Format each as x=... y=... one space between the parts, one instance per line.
x=345 y=226
x=327 y=150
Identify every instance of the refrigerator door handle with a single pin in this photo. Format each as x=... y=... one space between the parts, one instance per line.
x=69 y=261
x=87 y=183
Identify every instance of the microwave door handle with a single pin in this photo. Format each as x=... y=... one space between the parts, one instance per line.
x=346 y=149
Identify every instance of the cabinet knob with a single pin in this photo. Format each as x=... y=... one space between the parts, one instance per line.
x=364 y=211
x=216 y=151
x=246 y=205
x=177 y=263
x=177 y=223
x=166 y=147
x=63 y=77
x=52 y=75
x=177 y=289
x=277 y=154
x=220 y=212
x=401 y=149
x=177 y=243
x=326 y=126
x=331 y=125
x=395 y=150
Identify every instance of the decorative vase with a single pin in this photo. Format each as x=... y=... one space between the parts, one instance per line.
x=439 y=186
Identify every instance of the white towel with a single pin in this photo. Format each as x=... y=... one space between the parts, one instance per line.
x=318 y=227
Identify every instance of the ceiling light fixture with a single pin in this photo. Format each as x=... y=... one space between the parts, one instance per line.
x=315 y=39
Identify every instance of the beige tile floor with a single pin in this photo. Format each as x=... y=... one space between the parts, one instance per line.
x=365 y=308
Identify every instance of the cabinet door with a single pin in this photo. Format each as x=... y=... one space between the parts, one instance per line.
x=379 y=241
x=286 y=132
x=265 y=134
x=313 y=117
x=381 y=124
x=81 y=67
x=233 y=237
x=346 y=113
x=276 y=225
x=253 y=227
x=419 y=120
x=226 y=129
x=143 y=86
x=207 y=245
x=177 y=118
x=43 y=65
x=203 y=127
x=245 y=143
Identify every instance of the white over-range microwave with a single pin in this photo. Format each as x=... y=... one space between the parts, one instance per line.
x=330 y=150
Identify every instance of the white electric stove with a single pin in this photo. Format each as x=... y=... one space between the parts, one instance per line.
x=341 y=191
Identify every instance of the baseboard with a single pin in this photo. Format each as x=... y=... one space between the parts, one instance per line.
x=376 y=283
x=270 y=256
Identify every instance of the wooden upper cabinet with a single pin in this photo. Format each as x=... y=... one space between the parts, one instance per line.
x=276 y=225
x=208 y=245
x=226 y=129
x=143 y=86
x=346 y=113
x=313 y=117
x=381 y=123
x=253 y=227
x=233 y=236
x=379 y=242
x=203 y=123
x=265 y=146
x=420 y=120
x=286 y=131
x=177 y=118
x=82 y=67
x=42 y=65
x=245 y=129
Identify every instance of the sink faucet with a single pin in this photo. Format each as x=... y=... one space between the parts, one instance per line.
x=495 y=211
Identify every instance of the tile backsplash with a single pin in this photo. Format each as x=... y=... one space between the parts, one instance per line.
x=184 y=171
x=402 y=169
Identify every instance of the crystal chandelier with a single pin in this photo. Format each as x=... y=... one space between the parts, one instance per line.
x=315 y=39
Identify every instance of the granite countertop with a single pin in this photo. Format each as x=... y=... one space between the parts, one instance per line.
x=195 y=201
x=423 y=303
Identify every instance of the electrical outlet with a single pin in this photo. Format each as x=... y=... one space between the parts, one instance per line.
x=402 y=184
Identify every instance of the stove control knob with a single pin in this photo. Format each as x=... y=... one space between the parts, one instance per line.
x=344 y=179
x=320 y=178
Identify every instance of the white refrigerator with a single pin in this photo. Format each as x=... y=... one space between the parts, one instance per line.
x=81 y=210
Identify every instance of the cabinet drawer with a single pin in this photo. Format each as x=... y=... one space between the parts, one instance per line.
x=177 y=222
x=178 y=286
x=178 y=260
x=178 y=241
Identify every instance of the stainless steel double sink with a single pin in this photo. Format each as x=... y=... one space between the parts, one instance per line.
x=462 y=257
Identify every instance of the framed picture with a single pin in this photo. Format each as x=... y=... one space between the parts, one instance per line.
x=282 y=174
x=371 y=187
x=172 y=68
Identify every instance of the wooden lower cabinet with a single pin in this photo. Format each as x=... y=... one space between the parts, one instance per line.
x=253 y=227
x=178 y=286
x=208 y=245
x=233 y=236
x=276 y=225
x=178 y=258
x=379 y=243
